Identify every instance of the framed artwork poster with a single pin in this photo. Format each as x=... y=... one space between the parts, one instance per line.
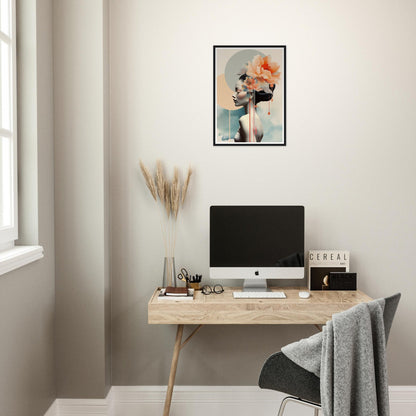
x=249 y=95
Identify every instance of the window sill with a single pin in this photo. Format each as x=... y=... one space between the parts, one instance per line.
x=19 y=256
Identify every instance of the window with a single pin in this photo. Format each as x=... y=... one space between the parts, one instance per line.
x=11 y=256
x=8 y=140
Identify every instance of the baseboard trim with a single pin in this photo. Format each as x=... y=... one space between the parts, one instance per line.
x=86 y=407
x=192 y=394
x=53 y=409
x=204 y=401
x=403 y=396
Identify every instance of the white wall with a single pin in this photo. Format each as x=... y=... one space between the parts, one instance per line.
x=349 y=159
x=82 y=320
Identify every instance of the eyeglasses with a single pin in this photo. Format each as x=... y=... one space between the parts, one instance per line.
x=217 y=289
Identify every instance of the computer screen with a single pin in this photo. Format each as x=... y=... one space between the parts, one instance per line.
x=257 y=242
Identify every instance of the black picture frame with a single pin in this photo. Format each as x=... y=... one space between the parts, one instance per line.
x=243 y=131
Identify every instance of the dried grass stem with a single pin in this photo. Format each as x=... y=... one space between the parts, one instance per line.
x=171 y=196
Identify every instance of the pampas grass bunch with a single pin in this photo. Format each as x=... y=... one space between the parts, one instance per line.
x=170 y=196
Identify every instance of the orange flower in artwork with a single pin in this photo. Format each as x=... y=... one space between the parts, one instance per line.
x=263 y=70
x=251 y=84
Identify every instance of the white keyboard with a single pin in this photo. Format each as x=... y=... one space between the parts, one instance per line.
x=259 y=295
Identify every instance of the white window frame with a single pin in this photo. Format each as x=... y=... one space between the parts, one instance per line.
x=9 y=234
x=11 y=256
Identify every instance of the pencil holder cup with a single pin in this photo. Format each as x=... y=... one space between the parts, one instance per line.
x=196 y=285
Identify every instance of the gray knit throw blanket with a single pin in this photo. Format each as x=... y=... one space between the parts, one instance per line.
x=349 y=356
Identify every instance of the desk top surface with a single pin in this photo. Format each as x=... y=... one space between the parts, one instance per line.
x=218 y=309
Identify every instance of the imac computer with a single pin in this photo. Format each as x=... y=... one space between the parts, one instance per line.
x=256 y=243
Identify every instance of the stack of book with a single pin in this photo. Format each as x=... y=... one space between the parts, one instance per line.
x=176 y=293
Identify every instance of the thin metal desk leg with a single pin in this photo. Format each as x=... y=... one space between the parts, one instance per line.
x=173 y=367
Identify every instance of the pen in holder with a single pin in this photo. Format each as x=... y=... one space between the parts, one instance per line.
x=192 y=281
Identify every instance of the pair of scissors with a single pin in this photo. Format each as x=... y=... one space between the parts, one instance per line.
x=184 y=275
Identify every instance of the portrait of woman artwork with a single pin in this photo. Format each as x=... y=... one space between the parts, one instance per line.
x=249 y=95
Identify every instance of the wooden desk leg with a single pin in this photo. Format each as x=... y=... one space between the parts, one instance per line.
x=173 y=367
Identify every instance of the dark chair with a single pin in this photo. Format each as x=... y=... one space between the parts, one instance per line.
x=282 y=374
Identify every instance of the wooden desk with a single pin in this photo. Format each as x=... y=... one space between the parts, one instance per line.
x=224 y=309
